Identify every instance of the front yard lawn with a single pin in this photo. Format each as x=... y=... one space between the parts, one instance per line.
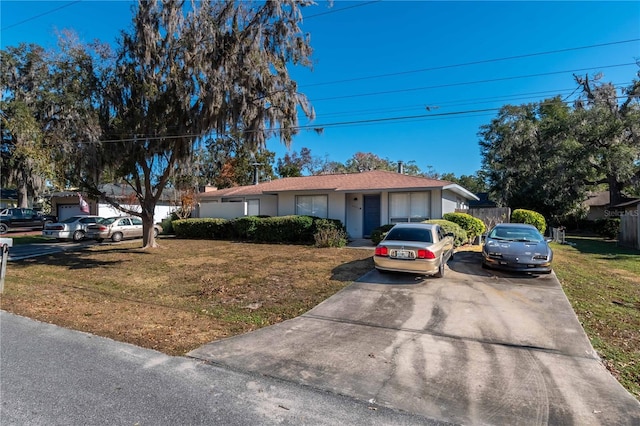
x=602 y=282
x=182 y=295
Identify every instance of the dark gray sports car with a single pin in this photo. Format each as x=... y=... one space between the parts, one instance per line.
x=517 y=247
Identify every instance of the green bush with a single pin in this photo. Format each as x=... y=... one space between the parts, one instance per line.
x=459 y=235
x=285 y=229
x=608 y=227
x=378 y=234
x=472 y=225
x=282 y=229
x=530 y=217
x=244 y=228
x=211 y=228
x=329 y=233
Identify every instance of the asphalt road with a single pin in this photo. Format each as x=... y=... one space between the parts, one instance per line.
x=54 y=376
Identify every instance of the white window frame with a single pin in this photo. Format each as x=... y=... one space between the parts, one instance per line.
x=316 y=202
x=407 y=203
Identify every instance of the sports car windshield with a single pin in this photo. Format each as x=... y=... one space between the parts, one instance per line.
x=516 y=234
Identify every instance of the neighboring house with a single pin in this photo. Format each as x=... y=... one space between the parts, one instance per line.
x=597 y=205
x=67 y=203
x=482 y=202
x=362 y=201
x=8 y=198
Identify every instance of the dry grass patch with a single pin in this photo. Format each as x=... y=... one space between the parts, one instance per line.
x=182 y=295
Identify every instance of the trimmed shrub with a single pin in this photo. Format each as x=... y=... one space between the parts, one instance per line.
x=206 y=228
x=329 y=233
x=608 y=227
x=472 y=225
x=529 y=217
x=285 y=229
x=244 y=228
x=378 y=234
x=459 y=235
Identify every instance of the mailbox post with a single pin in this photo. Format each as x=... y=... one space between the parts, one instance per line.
x=5 y=243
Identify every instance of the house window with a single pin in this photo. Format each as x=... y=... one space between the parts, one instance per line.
x=312 y=205
x=409 y=206
x=253 y=207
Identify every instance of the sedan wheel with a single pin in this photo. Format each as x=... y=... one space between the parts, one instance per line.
x=78 y=235
x=155 y=232
x=440 y=272
x=117 y=237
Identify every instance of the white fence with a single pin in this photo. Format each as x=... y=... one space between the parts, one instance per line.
x=161 y=212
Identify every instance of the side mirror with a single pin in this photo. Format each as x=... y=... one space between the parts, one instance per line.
x=449 y=234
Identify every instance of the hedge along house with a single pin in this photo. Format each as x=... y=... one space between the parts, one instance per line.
x=361 y=201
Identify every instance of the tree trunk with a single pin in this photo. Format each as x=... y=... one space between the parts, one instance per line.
x=615 y=191
x=148 y=209
x=23 y=194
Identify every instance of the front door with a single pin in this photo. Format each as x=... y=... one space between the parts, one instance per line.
x=371 y=214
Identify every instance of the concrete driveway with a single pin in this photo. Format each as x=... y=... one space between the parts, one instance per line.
x=476 y=347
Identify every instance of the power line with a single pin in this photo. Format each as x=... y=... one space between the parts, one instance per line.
x=342 y=9
x=493 y=80
x=464 y=64
x=40 y=15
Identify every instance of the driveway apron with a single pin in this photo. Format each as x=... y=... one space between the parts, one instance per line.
x=475 y=347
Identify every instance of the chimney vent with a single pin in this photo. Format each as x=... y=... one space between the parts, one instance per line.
x=400 y=167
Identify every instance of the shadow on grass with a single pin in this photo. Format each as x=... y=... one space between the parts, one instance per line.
x=80 y=259
x=351 y=271
x=609 y=250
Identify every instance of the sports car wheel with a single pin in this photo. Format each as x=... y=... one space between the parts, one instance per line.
x=78 y=235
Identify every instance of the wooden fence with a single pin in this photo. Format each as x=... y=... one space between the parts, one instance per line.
x=630 y=229
x=491 y=216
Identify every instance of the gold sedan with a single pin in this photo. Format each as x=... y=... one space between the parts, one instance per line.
x=418 y=248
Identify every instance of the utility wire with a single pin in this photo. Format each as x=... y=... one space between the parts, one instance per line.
x=464 y=64
x=493 y=80
x=40 y=15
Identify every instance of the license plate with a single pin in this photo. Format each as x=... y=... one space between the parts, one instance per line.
x=404 y=254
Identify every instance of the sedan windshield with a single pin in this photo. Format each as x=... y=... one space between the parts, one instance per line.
x=516 y=234
x=408 y=234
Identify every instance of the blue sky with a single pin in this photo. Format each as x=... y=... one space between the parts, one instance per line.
x=450 y=64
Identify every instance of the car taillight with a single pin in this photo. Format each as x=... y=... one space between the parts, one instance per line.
x=426 y=254
x=382 y=251
x=102 y=228
x=55 y=227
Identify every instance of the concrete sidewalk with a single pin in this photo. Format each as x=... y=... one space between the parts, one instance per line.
x=475 y=347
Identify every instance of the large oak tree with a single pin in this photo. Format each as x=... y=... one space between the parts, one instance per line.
x=186 y=72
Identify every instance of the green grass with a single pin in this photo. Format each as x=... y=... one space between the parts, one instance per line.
x=602 y=282
x=28 y=239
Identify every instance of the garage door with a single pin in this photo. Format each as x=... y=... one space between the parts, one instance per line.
x=67 y=210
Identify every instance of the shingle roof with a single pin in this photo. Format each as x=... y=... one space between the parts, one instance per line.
x=377 y=180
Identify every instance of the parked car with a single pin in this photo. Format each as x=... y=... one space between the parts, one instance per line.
x=73 y=228
x=517 y=247
x=416 y=248
x=118 y=228
x=16 y=218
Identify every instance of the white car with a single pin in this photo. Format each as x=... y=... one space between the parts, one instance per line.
x=73 y=228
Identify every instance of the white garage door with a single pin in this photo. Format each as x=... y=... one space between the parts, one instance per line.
x=67 y=210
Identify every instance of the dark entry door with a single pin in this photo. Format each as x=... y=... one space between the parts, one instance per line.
x=371 y=214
